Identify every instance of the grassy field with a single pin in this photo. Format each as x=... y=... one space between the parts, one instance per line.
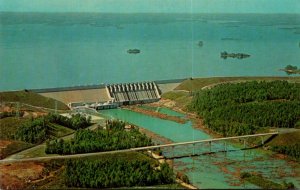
x=31 y=98
x=13 y=147
x=181 y=98
x=38 y=151
x=60 y=131
x=285 y=139
x=198 y=83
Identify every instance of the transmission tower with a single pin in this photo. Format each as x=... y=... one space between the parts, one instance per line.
x=18 y=110
x=55 y=107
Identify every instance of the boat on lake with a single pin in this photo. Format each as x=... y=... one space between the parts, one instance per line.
x=133 y=51
x=225 y=55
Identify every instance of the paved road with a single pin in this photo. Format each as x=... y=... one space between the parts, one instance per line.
x=41 y=147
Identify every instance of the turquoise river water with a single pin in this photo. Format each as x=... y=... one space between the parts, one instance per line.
x=218 y=170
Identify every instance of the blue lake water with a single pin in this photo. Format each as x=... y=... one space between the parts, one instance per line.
x=42 y=50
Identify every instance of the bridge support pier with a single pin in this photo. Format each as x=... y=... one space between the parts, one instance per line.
x=209 y=146
x=193 y=149
x=18 y=110
x=262 y=140
x=244 y=149
x=172 y=151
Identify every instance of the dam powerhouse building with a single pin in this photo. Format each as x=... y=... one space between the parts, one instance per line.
x=133 y=93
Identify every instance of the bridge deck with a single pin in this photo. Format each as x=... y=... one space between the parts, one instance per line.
x=203 y=141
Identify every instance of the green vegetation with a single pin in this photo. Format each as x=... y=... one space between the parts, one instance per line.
x=35 y=131
x=264 y=183
x=290 y=69
x=59 y=131
x=290 y=150
x=58 y=180
x=181 y=98
x=42 y=128
x=288 y=138
x=287 y=143
x=9 y=126
x=114 y=137
x=199 y=83
x=117 y=172
x=75 y=122
x=31 y=98
x=243 y=108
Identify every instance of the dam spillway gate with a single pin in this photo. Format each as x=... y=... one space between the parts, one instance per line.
x=133 y=93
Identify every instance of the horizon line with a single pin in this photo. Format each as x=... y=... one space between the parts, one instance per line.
x=233 y=13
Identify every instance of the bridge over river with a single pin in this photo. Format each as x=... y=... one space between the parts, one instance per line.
x=172 y=145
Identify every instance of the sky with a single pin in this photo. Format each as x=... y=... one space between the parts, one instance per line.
x=153 y=6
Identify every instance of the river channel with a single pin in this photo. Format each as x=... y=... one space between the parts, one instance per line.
x=218 y=170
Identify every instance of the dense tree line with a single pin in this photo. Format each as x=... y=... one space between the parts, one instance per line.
x=291 y=150
x=76 y=121
x=115 y=173
x=35 y=131
x=238 y=109
x=39 y=129
x=114 y=137
x=265 y=114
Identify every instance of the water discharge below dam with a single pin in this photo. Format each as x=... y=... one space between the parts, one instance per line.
x=219 y=170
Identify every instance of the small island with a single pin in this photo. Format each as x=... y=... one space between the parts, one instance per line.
x=225 y=55
x=290 y=69
x=200 y=43
x=133 y=51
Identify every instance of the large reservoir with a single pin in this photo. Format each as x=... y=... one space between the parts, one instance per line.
x=44 y=50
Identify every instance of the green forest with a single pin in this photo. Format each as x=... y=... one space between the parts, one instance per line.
x=291 y=150
x=77 y=121
x=244 y=108
x=118 y=172
x=40 y=129
x=114 y=137
x=247 y=108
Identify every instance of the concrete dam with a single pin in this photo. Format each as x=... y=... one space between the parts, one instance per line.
x=133 y=93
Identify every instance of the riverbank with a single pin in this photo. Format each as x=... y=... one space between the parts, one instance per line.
x=156 y=114
x=197 y=122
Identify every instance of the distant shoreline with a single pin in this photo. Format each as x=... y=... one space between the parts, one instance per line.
x=167 y=81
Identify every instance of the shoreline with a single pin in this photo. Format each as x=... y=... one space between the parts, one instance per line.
x=94 y=86
x=156 y=114
x=159 y=82
x=197 y=123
